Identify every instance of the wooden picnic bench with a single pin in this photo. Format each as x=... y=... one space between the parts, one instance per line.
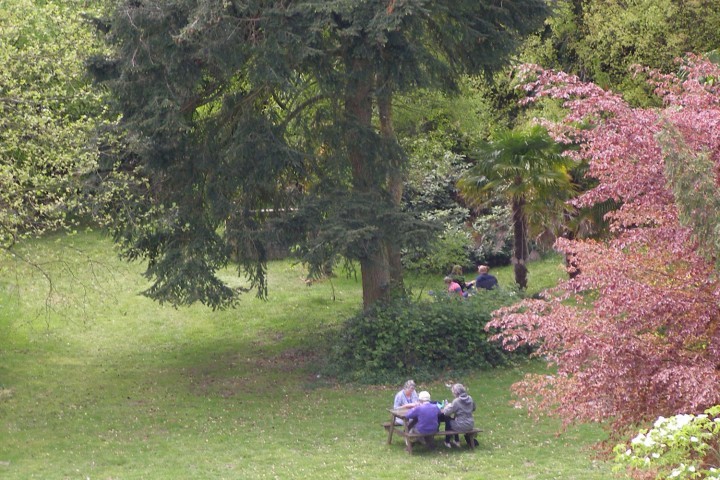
x=429 y=439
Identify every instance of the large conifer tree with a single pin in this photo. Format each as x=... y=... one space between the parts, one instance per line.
x=234 y=109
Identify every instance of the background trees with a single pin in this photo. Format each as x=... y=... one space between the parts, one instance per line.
x=233 y=110
x=599 y=41
x=48 y=115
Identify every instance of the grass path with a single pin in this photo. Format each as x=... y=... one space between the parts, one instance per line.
x=97 y=382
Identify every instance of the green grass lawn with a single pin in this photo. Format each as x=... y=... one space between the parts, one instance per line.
x=98 y=382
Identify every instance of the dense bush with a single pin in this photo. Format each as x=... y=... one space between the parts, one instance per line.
x=419 y=339
x=451 y=247
x=492 y=237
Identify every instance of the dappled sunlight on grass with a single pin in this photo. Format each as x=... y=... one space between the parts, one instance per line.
x=140 y=390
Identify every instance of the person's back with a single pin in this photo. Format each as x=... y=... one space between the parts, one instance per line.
x=461 y=408
x=453 y=287
x=484 y=279
x=426 y=415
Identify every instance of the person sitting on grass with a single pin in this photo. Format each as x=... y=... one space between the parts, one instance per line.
x=460 y=413
x=457 y=276
x=484 y=279
x=454 y=288
x=424 y=417
x=406 y=398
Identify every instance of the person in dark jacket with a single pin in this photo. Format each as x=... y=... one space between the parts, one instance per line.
x=484 y=279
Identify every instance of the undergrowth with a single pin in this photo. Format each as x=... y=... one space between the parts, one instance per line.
x=423 y=339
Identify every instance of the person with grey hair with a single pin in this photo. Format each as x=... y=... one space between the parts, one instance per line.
x=406 y=398
x=459 y=414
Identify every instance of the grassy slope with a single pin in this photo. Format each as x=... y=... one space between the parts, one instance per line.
x=101 y=383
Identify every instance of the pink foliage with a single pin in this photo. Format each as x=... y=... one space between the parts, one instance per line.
x=634 y=335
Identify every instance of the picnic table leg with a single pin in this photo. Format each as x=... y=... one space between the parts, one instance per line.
x=470 y=439
x=408 y=442
x=391 y=429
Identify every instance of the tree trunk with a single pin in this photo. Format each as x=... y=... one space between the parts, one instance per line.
x=374 y=267
x=395 y=185
x=520 y=243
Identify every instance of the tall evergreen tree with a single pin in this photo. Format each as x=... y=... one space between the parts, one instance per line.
x=236 y=108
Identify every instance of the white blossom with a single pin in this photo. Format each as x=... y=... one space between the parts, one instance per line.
x=659 y=421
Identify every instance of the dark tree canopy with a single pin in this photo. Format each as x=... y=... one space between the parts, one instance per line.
x=236 y=109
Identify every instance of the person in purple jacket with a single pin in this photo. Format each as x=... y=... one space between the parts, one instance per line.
x=424 y=417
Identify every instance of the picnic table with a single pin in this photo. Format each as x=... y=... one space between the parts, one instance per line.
x=404 y=430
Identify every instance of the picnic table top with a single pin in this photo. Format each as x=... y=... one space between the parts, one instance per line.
x=399 y=412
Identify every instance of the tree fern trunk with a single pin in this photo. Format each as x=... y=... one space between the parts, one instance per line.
x=520 y=242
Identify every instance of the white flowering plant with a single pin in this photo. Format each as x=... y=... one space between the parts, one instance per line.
x=679 y=447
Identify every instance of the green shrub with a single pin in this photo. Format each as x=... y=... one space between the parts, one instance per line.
x=492 y=237
x=419 y=339
x=450 y=248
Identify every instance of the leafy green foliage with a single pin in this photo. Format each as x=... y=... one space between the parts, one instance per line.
x=695 y=191
x=419 y=338
x=492 y=237
x=438 y=154
x=600 y=40
x=48 y=113
x=681 y=447
x=450 y=248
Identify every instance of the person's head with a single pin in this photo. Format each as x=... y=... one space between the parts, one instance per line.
x=483 y=269
x=456 y=270
x=409 y=387
x=448 y=280
x=424 y=396
x=458 y=389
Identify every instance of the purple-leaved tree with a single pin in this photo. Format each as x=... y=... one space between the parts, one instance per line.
x=635 y=333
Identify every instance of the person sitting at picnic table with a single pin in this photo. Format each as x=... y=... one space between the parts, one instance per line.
x=484 y=279
x=459 y=413
x=406 y=398
x=424 y=417
x=454 y=288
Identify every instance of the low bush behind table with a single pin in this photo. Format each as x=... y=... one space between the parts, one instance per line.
x=420 y=339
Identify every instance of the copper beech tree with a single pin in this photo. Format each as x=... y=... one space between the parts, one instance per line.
x=635 y=333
